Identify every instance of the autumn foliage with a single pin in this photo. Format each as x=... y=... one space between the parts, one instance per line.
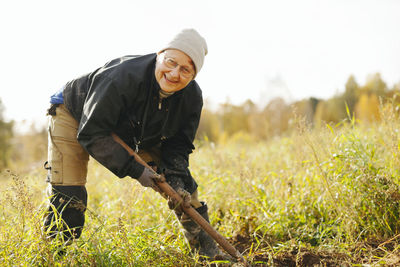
x=359 y=102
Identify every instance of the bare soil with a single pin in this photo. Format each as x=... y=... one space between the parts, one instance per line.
x=368 y=253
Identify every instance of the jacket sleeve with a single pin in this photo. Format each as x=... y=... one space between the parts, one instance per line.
x=102 y=108
x=176 y=149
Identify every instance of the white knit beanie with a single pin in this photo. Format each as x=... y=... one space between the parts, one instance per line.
x=192 y=44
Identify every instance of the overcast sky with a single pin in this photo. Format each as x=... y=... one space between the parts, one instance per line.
x=257 y=49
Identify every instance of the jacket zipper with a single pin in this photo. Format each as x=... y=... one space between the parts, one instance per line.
x=134 y=137
x=136 y=142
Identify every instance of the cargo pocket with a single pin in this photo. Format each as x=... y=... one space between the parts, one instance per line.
x=55 y=162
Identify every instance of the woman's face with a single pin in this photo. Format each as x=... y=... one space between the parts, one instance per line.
x=174 y=70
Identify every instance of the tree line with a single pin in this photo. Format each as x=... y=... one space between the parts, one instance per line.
x=359 y=102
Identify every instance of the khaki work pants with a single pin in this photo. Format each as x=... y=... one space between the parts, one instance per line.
x=67 y=159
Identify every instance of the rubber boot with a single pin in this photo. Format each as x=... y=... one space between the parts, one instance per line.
x=69 y=202
x=199 y=241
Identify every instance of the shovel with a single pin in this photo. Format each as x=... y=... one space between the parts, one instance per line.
x=169 y=191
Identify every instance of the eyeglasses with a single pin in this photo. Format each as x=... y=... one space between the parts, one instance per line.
x=172 y=64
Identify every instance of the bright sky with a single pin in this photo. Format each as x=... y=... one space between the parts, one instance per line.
x=257 y=49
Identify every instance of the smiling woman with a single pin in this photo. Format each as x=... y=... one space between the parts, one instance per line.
x=180 y=61
x=171 y=75
x=153 y=104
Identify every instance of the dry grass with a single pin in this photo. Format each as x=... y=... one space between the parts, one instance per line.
x=324 y=196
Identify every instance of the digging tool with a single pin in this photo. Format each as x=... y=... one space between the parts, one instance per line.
x=169 y=191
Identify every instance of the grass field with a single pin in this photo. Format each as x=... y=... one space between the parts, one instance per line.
x=317 y=197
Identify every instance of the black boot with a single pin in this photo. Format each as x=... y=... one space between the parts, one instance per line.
x=70 y=204
x=199 y=241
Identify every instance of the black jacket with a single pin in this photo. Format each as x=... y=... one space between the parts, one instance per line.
x=123 y=97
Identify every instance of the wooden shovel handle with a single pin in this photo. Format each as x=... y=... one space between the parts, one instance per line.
x=168 y=190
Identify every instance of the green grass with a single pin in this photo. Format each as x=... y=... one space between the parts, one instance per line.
x=332 y=192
